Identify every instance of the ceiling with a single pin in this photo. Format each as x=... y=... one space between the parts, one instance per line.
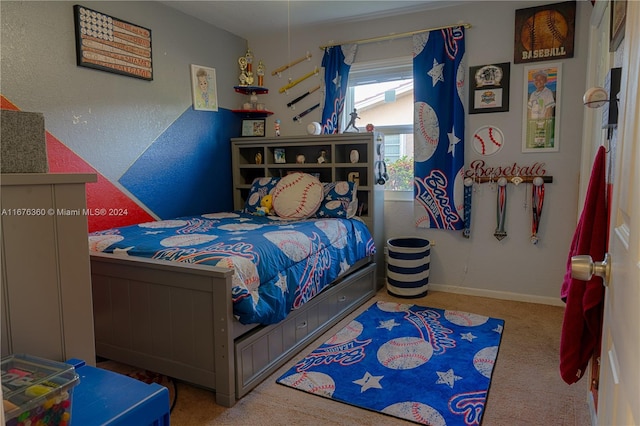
x=249 y=19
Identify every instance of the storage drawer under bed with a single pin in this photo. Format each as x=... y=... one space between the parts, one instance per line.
x=260 y=353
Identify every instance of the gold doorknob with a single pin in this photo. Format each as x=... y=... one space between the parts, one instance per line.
x=584 y=268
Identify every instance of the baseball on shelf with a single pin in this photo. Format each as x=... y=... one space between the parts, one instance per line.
x=314 y=128
x=488 y=140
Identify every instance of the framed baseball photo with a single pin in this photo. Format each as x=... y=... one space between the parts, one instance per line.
x=544 y=33
x=540 y=119
x=489 y=88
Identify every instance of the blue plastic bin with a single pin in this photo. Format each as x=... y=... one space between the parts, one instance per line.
x=106 y=398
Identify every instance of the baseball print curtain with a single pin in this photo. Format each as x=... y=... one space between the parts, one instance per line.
x=336 y=62
x=438 y=78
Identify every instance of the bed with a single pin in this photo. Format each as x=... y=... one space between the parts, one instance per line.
x=200 y=298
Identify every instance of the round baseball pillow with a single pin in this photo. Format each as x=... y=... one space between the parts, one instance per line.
x=297 y=196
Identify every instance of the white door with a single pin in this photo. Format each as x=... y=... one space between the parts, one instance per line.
x=619 y=390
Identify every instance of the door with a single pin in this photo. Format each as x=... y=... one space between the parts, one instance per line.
x=619 y=392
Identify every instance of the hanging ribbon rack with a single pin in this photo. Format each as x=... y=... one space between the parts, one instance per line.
x=301 y=79
x=307 y=57
x=516 y=180
x=394 y=36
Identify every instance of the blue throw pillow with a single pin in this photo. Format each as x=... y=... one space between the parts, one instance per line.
x=340 y=200
x=259 y=188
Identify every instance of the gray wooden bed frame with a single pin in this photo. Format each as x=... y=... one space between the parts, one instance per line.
x=177 y=319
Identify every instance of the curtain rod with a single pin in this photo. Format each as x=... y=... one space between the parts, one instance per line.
x=393 y=36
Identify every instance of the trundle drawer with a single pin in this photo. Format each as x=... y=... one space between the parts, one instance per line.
x=260 y=353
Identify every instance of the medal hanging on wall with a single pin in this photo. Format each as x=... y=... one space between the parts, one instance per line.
x=537 y=200
x=501 y=210
x=468 y=189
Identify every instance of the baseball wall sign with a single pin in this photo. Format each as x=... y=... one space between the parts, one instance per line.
x=488 y=140
x=545 y=32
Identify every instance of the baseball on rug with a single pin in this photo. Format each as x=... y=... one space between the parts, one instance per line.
x=426 y=365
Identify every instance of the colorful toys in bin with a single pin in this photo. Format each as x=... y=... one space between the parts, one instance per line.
x=37 y=391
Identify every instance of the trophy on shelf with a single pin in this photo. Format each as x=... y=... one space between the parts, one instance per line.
x=260 y=72
x=246 y=69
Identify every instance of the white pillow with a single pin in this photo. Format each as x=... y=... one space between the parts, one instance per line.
x=297 y=196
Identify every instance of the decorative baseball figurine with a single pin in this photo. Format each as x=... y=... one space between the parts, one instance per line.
x=352 y=122
x=276 y=127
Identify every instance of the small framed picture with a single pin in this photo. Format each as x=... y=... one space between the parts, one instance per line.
x=253 y=127
x=279 y=157
x=489 y=88
x=203 y=88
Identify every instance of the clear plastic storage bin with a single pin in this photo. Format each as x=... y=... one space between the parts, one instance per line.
x=37 y=390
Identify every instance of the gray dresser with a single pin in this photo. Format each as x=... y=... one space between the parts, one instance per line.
x=46 y=283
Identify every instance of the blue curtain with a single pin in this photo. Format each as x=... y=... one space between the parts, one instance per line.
x=438 y=78
x=336 y=62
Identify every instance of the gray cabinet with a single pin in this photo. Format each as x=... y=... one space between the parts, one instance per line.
x=346 y=156
x=46 y=284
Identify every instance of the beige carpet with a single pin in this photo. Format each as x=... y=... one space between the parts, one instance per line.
x=526 y=388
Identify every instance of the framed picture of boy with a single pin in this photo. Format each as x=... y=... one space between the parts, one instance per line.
x=542 y=104
x=203 y=86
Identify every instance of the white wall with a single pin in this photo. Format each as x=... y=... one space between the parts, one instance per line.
x=512 y=268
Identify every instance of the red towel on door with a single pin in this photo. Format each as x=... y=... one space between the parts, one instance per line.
x=582 y=324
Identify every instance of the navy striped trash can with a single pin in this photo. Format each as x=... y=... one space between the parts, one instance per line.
x=408 y=266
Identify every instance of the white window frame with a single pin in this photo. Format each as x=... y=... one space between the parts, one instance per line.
x=371 y=72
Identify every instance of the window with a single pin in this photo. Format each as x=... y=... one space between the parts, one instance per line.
x=382 y=94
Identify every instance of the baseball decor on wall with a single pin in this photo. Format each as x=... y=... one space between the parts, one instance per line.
x=488 y=140
x=110 y=44
x=544 y=33
x=489 y=88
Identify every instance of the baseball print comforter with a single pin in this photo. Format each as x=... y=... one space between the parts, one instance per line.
x=278 y=265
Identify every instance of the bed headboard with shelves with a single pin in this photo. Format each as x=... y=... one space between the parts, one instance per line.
x=347 y=156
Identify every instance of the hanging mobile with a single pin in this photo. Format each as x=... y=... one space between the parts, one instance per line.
x=537 y=199
x=468 y=190
x=500 y=232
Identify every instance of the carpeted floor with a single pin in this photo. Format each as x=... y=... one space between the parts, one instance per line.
x=526 y=387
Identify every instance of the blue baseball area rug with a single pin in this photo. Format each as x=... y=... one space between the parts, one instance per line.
x=426 y=365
